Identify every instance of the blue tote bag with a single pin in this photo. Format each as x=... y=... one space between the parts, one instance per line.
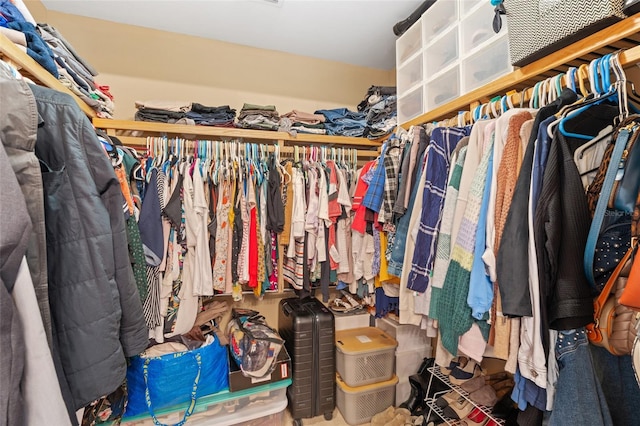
x=176 y=379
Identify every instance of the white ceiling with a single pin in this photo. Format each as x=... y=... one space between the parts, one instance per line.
x=356 y=32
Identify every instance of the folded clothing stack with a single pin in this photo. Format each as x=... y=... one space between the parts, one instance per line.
x=76 y=74
x=20 y=27
x=48 y=48
x=342 y=122
x=163 y=112
x=303 y=122
x=221 y=116
x=380 y=108
x=260 y=117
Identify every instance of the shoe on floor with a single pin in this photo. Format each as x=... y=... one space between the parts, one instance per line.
x=401 y=419
x=383 y=417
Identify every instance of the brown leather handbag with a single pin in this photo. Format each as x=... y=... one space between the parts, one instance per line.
x=614 y=326
x=631 y=295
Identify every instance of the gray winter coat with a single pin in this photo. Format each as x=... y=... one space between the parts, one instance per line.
x=15 y=231
x=96 y=311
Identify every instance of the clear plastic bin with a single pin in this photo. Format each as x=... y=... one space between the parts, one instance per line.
x=487 y=64
x=403 y=390
x=438 y=19
x=358 y=404
x=410 y=105
x=263 y=405
x=408 y=361
x=441 y=54
x=409 y=43
x=477 y=27
x=466 y=6
x=408 y=336
x=364 y=355
x=444 y=88
x=352 y=320
x=409 y=74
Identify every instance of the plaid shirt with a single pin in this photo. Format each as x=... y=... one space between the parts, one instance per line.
x=443 y=142
x=375 y=194
x=391 y=167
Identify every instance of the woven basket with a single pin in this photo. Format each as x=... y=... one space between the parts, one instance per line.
x=540 y=27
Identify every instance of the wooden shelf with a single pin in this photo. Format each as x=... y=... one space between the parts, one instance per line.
x=621 y=35
x=142 y=129
x=33 y=70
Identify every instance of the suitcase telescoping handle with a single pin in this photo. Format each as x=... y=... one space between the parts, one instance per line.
x=287 y=309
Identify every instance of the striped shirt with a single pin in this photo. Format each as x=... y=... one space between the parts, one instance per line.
x=443 y=142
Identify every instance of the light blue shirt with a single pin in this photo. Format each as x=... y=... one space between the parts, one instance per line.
x=480 y=294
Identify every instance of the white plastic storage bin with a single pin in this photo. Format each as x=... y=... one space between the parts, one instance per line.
x=477 y=27
x=440 y=55
x=466 y=6
x=408 y=336
x=438 y=19
x=443 y=88
x=349 y=321
x=410 y=74
x=403 y=390
x=411 y=105
x=364 y=355
x=486 y=64
x=359 y=404
x=408 y=361
x=262 y=405
x=409 y=43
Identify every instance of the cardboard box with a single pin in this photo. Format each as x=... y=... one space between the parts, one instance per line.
x=238 y=381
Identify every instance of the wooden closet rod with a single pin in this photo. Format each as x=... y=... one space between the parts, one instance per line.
x=140 y=144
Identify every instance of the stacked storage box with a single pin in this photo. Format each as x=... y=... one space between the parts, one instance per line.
x=450 y=51
x=365 y=383
x=413 y=347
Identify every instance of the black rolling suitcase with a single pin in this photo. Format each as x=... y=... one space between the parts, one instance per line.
x=307 y=328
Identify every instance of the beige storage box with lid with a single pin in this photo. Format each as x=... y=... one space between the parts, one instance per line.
x=364 y=356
